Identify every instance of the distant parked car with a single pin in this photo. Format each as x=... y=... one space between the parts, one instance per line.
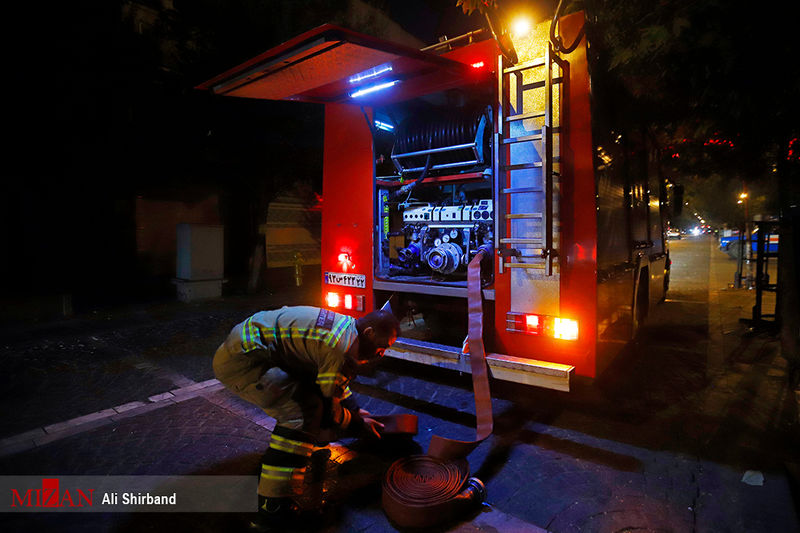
x=673 y=233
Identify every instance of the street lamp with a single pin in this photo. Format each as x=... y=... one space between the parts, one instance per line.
x=521 y=26
x=743 y=239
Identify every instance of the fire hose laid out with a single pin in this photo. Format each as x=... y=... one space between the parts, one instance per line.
x=426 y=490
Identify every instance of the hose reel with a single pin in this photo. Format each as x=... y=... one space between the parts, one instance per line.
x=452 y=141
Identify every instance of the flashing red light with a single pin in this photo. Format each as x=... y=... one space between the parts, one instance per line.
x=478 y=64
x=345 y=262
x=332 y=299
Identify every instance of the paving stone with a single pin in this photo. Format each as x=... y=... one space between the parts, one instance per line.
x=128 y=406
x=161 y=397
x=79 y=421
x=73 y=430
x=141 y=410
x=27 y=435
x=16 y=447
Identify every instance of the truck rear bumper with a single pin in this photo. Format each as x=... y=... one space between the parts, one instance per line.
x=544 y=374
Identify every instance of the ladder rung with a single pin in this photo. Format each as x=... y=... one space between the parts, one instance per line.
x=516 y=216
x=524 y=138
x=518 y=190
x=539 y=266
x=538 y=62
x=521 y=241
x=523 y=116
x=522 y=166
x=540 y=84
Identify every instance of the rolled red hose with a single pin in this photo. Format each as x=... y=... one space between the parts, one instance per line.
x=423 y=491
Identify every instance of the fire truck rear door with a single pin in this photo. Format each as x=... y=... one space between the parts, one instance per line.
x=330 y=64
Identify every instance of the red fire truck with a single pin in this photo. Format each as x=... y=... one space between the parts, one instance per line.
x=433 y=155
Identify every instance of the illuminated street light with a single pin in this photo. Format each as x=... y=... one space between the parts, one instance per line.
x=743 y=195
x=521 y=26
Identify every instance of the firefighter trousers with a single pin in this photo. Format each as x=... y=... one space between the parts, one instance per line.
x=296 y=405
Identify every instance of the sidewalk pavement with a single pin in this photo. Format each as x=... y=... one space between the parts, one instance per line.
x=556 y=462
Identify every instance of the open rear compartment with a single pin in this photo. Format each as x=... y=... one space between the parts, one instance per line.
x=434 y=208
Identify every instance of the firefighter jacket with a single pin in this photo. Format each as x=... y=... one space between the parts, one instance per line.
x=308 y=343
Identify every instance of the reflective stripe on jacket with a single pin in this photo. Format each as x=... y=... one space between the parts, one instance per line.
x=304 y=341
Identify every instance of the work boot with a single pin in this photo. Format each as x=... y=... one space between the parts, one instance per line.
x=275 y=514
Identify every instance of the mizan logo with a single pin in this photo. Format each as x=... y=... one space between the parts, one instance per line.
x=50 y=495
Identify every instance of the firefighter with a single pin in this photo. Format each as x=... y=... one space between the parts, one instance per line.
x=295 y=363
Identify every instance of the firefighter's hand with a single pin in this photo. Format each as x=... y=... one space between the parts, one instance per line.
x=372 y=427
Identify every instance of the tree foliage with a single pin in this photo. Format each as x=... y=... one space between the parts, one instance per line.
x=709 y=79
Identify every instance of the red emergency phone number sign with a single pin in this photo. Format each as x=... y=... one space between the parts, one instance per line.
x=359 y=281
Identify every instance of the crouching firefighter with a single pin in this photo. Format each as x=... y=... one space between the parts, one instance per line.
x=295 y=363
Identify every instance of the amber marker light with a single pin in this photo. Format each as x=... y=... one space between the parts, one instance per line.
x=565 y=328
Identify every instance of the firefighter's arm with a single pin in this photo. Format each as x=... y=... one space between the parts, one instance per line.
x=341 y=409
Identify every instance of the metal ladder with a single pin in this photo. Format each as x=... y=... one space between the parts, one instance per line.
x=545 y=254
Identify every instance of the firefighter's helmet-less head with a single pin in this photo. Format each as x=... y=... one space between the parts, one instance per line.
x=377 y=331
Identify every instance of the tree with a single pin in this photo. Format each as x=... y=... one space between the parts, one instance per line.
x=697 y=73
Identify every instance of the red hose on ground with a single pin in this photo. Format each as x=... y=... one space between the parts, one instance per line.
x=425 y=490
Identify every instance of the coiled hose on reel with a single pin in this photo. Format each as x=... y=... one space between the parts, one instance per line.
x=425 y=131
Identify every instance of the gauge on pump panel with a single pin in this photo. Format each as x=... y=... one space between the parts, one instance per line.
x=453 y=233
x=445 y=238
x=437 y=242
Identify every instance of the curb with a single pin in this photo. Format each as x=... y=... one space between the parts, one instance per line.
x=53 y=432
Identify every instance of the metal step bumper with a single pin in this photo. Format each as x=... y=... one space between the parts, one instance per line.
x=544 y=374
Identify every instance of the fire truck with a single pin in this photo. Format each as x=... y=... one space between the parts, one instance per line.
x=432 y=156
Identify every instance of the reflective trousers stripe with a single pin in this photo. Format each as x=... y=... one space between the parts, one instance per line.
x=295 y=447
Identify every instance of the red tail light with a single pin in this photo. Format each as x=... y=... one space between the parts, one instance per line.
x=332 y=299
x=551 y=326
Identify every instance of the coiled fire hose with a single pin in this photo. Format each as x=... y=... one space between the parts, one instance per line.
x=426 y=490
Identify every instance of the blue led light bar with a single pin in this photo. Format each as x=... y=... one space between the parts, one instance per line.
x=371 y=73
x=383 y=126
x=373 y=88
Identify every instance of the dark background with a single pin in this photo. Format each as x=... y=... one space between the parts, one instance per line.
x=101 y=110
